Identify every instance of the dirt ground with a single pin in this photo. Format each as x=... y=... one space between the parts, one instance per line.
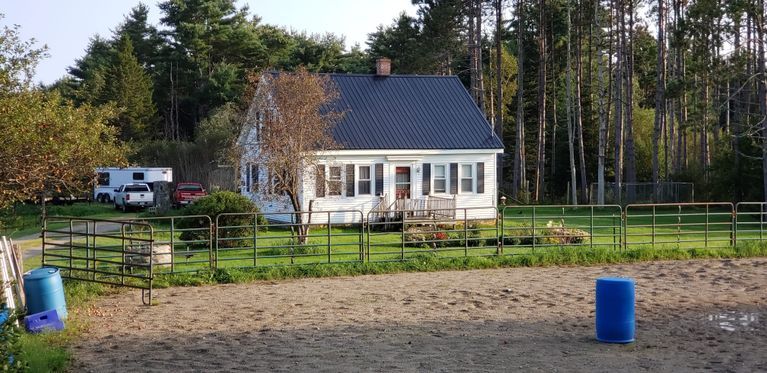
x=691 y=315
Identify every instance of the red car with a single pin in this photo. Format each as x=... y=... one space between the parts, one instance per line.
x=187 y=193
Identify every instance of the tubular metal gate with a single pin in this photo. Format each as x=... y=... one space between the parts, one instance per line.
x=681 y=225
x=274 y=239
x=103 y=251
x=130 y=253
x=527 y=228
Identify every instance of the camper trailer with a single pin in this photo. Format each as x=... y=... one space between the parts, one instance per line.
x=111 y=178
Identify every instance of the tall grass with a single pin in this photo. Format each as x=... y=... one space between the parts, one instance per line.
x=49 y=352
x=426 y=262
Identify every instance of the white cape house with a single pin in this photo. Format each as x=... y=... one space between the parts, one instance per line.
x=405 y=142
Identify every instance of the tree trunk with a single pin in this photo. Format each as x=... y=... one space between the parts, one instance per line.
x=762 y=90
x=618 y=101
x=541 y=161
x=498 y=82
x=569 y=99
x=519 y=146
x=660 y=101
x=737 y=117
x=629 y=110
x=579 y=114
x=478 y=59
x=602 y=116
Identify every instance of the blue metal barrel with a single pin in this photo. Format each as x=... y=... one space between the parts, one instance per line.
x=615 y=310
x=45 y=291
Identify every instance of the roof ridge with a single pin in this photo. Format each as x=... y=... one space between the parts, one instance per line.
x=274 y=72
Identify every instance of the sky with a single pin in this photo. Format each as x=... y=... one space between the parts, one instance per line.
x=66 y=26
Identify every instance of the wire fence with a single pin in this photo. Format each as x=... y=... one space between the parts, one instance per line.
x=636 y=193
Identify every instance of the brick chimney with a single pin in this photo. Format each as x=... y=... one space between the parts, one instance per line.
x=383 y=66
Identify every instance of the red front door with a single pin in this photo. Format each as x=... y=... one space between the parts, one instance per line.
x=402 y=182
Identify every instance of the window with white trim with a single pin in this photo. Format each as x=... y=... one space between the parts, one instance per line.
x=440 y=178
x=259 y=125
x=334 y=181
x=466 y=175
x=363 y=180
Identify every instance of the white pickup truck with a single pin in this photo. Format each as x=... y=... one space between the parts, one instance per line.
x=128 y=196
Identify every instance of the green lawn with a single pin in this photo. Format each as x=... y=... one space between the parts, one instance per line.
x=24 y=219
x=526 y=230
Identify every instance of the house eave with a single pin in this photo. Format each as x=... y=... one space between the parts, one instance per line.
x=410 y=153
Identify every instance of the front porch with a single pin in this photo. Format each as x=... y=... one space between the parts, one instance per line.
x=427 y=207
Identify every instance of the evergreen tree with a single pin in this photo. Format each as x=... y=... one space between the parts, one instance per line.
x=130 y=88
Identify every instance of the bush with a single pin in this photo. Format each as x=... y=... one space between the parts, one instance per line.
x=10 y=347
x=293 y=249
x=416 y=237
x=215 y=204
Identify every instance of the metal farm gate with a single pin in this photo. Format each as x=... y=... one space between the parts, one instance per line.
x=131 y=252
x=102 y=251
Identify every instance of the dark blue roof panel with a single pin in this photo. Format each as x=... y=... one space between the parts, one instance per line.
x=409 y=112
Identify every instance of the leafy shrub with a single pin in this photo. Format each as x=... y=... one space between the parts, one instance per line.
x=416 y=237
x=10 y=347
x=556 y=234
x=442 y=236
x=215 y=204
x=293 y=249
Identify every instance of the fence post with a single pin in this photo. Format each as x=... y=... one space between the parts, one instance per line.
x=678 y=225
x=71 y=242
x=653 y=226
x=122 y=267
x=214 y=234
x=465 y=234
x=172 y=246
x=368 y=237
x=329 y=238
x=705 y=237
x=734 y=230
x=499 y=235
x=591 y=229
x=402 y=252
x=255 y=239
x=88 y=243
x=625 y=228
x=761 y=221
x=533 y=229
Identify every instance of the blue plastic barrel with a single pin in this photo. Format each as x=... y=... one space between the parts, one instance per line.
x=615 y=310
x=45 y=291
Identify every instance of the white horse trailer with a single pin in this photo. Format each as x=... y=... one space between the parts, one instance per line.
x=111 y=178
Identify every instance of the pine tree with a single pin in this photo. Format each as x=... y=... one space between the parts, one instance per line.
x=130 y=88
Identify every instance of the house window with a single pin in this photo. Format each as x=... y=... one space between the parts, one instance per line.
x=259 y=125
x=467 y=178
x=103 y=178
x=138 y=176
x=334 y=181
x=363 y=183
x=253 y=178
x=440 y=178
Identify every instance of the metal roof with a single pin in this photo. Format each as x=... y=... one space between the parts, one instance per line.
x=409 y=112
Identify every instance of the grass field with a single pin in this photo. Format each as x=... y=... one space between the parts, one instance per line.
x=525 y=230
x=24 y=219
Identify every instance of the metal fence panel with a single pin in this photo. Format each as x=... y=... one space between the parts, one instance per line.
x=182 y=243
x=406 y=234
x=750 y=220
x=680 y=225
x=273 y=239
x=526 y=229
x=130 y=253
x=103 y=251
